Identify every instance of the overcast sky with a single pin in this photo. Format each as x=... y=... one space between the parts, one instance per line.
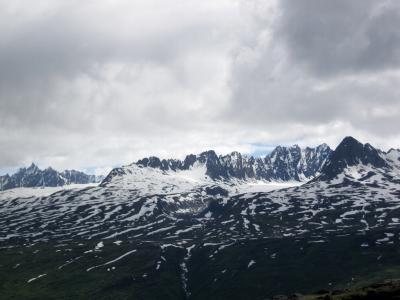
x=94 y=84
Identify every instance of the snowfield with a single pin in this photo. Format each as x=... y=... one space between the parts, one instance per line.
x=24 y=192
x=150 y=181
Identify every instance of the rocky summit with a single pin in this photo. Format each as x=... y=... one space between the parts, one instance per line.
x=211 y=227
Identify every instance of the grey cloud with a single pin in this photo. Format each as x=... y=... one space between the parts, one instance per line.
x=338 y=37
x=317 y=64
x=53 y=68
x=71 y=38
x=93 y=84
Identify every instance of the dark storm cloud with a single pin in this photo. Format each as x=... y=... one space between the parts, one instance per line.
x=318 y=63
x=336 y=37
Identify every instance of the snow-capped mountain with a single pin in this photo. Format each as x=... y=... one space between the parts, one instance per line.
x=282 y=164
x=195 y=227
x=32 y=176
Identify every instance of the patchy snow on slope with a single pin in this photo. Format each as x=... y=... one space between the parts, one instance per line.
x=356 y=172
x=155 y=181
x=99 y=246
x=252 y=262
x=184 y=270
x=112 y=261
x=36 y=278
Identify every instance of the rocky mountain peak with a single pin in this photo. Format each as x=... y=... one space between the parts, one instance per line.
x=33 y=176
x=32 y=167
x=350 y=152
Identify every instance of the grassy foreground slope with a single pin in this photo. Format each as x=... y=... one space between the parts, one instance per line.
x=247 y=269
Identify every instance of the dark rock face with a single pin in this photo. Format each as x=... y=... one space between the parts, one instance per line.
x=165 y=164
x=35 y=177
x=351 y=152
x=74 y=176
x=189 y=161
x=294 y=163
x=282 y=164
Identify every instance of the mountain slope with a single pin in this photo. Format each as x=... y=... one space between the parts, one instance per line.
x=173 y=226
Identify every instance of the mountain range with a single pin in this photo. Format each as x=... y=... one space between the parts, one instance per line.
x=282 y=164
x=216 y=227
x=32 y=176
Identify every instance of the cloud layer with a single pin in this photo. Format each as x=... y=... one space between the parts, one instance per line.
x=101 y=83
